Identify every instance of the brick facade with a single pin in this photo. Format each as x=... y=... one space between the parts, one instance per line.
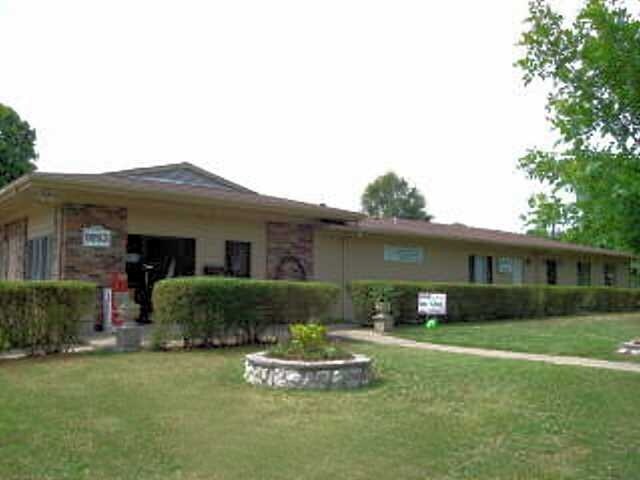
x=93 y=264
x=289 y=251
x=13 y=238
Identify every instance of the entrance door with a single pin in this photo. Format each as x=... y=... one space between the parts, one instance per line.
x=518 y=271
x=151 y=259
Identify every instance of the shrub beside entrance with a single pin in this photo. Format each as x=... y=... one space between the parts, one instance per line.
x=203 y=310
x=469 y=302
x=45 y=315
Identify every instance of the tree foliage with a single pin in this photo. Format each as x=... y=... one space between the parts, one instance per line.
x=17 y=146
x=391 y=196
x=592 y=65
x=549 y=216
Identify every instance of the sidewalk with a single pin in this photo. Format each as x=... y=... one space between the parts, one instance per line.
x=367 y=335
x=91 y=343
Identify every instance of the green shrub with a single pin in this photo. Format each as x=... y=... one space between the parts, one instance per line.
x=308 y=336
x=4 y=341
x=44 y=315
x=472 y=302
x=203 y=309
x=310 y=343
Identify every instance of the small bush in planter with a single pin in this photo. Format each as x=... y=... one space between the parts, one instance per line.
x=309 y=343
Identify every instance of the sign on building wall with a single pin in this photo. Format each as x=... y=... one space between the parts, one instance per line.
x=96 y=236
x=432 y=303
x=403 y=254
x=505 y=265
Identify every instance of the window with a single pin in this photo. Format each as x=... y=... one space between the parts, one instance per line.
x=584 y=274
x=517 y=276
x=552 y=272
x=238 y=259
x=38 y=258
x=609 y=275
x=480 y=269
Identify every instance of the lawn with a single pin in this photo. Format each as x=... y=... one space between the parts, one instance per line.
x=596 y=336
x=431 y=415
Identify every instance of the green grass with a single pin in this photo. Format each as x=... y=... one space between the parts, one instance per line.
x=431 y=415
x=596 y=336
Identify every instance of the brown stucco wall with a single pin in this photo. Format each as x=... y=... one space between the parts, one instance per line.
x=341 y=259
x=210 y=232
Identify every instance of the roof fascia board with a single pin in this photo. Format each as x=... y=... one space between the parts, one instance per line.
x=17 y=186
x=356 y=231
x=94 y=186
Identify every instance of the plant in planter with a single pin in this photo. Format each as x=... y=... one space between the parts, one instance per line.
x=308 y=343
x=382 y=296
x=308 y=361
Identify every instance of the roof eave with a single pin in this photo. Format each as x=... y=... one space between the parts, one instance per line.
x=95 y=186
x=569 y=248
x=15 y=187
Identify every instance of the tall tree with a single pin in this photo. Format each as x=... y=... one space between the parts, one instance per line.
x=549 y=216
x=592 y=64
x=17 y=146
x=391 y=196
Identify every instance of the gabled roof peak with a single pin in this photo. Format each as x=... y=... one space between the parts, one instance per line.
x=183 y=173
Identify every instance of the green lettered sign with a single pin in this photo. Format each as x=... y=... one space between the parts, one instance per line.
x=403 y=254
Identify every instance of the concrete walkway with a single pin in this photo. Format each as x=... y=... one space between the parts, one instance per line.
x=367 y=335
x=96 y=341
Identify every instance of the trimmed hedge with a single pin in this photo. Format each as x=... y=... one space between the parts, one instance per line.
x=471 y=302
x=43 y=316
x=205 y=309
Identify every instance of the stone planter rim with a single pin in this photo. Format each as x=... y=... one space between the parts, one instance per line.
x=261 y=359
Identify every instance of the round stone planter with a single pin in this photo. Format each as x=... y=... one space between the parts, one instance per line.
x=630 y=348
x=335 y=374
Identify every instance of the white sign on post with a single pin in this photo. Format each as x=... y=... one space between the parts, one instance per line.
x=96 y=236
x=432 y=303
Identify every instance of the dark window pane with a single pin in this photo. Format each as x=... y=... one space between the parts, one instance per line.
x=238 y=259
x=552 y=272
x=584 y=273
x=38 y=258
x=609 y=275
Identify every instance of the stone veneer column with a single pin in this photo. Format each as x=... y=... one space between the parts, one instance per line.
x=88 y=263
x=289 y=251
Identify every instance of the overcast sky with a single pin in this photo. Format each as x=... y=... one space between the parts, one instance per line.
x=301 y=99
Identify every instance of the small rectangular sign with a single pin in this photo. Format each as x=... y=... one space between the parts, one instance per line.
x=96 y=236
x=432 y=303
x=403 y=254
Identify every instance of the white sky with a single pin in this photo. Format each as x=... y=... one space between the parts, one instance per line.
x=301 y=99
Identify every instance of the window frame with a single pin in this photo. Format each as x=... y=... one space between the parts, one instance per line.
x=610 y=274
x=229 y=245
x=488 y=280
x=38 y=258
x=583 y=269
x=548 y=262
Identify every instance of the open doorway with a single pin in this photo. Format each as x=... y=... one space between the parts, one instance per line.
x=154 y=258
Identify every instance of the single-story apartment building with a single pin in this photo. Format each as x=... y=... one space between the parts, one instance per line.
x=177 y=220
